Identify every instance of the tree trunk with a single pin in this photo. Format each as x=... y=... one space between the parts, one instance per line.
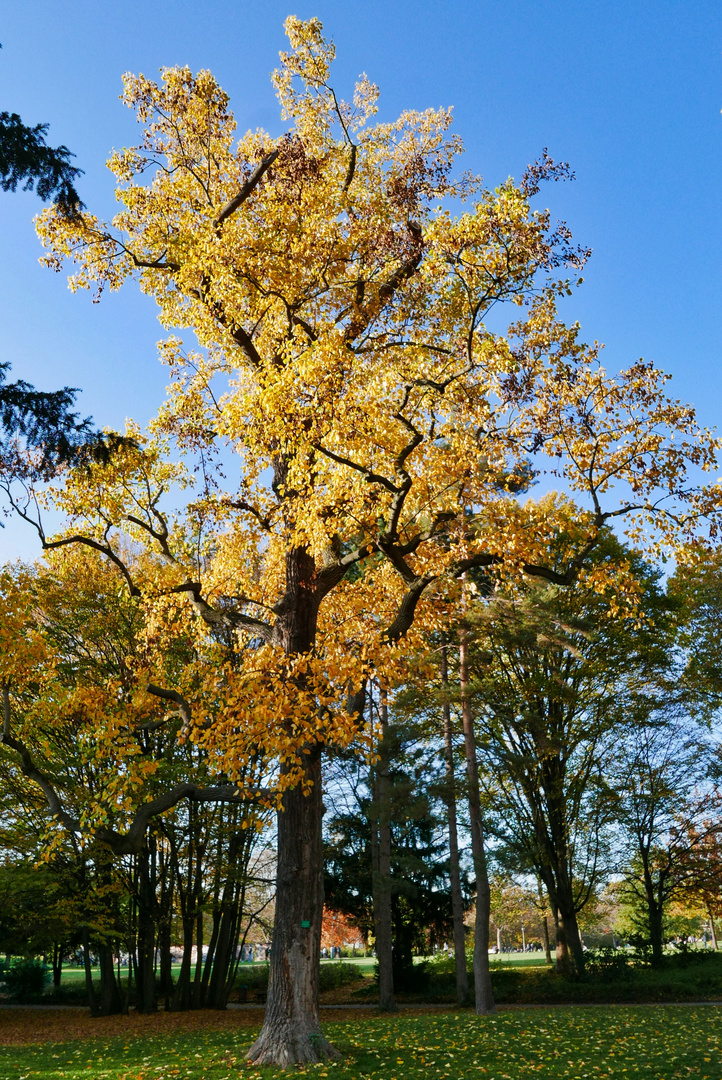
x=381 y=864
x=291 y=1031
x=547 y=946
x=182 y=990
x=58 y=964
x=563 y=961
x=457 y=899
x=573 y=940
x=89 y=988
x=165 y=915
x=226 y=939
x=482 y=976
x=545 y=923
x=198 y=971
x=656 y=932
x=110 y=999
x=712 y=930
x=145 y=985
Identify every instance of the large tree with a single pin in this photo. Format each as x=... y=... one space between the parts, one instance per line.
x=343 y=357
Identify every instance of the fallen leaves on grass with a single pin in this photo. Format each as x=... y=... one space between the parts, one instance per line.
x=573 y=1043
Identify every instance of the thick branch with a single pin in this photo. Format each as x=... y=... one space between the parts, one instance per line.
x=249 y=186
x=368 y=474
x=29 y=768
x=388 y=289
x=233 y=619
x=132 y=841
x=407 y=609
x=330 y=576
x=173 y=695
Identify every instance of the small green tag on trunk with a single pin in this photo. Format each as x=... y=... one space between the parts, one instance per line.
x=305 y=923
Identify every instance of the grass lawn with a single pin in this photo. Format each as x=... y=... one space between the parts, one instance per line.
x=612 y=1043
x=75 y=976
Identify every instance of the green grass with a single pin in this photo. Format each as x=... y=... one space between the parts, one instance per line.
x=654 y=1043
x=517 y=960
x=696 y=976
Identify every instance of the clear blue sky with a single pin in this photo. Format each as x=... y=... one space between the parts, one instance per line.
x=628 y=92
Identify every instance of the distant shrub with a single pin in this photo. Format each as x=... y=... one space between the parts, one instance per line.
x=25 y=978
x=608 y=965
x=334 y=975
x=252 y=980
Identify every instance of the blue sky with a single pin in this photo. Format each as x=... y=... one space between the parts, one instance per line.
x=629 y=93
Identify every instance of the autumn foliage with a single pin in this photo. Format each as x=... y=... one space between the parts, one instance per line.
x=337 y=283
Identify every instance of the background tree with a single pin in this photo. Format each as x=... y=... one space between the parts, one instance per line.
x=660 y=783
x=97 y=759
x=420 y=908
x=43 y=419
x=554 y=673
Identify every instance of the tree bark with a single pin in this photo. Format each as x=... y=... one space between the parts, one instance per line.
x=713 y=932
x=381 y=863
x=545 y=922
x=145 y=985
x=110 y=999
x=57 y=964
x=482 y=977
x=457 y=899
x=89 y=988
x=291 y=1031
x=656 y=932
x=562 y=959
x=654 y=894
x=547 y=946
x=225 y=935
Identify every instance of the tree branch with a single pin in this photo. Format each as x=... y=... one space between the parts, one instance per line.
x=251 y=183
x=173 y=695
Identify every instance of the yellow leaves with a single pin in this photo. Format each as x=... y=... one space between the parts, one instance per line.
x=346 y=398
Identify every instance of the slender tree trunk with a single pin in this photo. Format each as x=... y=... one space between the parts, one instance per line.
x=89 y=988
x=182 y=990
x=221 y=865
x=226 y=930
x=165 y=915
x=57 y=964
x=482 y=977
x=547 y=946
x=655 y=908
x=712 y=929
x=145 y=986
x=545 y=923
x=457 y=899
x=198 y=972
x=656 y=932
x=381 y=862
